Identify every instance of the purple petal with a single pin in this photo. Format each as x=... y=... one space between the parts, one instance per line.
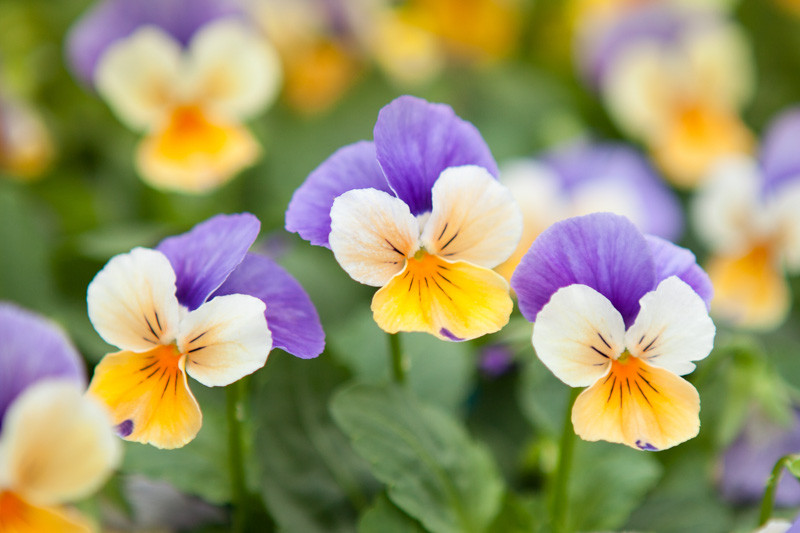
x=352 y=167
x=672 y=260
x=114 y=19
x=291 y=317
x=206 y=255
x=583 y=163
x=33 y=348
x=603 y=251
x=780 y=158
x=749 y=460
x=417 y=140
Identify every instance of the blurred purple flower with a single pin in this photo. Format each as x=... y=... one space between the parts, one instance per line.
x=748 y=462
x=495 y=360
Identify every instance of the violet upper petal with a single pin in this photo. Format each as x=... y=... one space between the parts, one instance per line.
x=672 y=260
x=111 y=20
x=416 y=140
x=33 y=348
x=780 y=158
x=291 y=316
x=352 y=167
x=206 y=255
x=603 y=251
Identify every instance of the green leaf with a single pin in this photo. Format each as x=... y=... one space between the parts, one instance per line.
x=520 y=515
x=439 y=372
x=432 y=469
x=385 y=517
x=200 y=467
x=308 y=474
x=608 y=482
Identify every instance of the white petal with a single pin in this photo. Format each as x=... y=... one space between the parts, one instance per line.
x=474 y=218
x=132 y=302
x=372 y=233
x=225 y=339
x=577 y=334
x=232 y=70
x=138 y=76
x=672 y=329
x=58 y=445
x=786 y=219
x=726 y=210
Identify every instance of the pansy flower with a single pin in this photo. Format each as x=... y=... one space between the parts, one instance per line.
x=419 y=213
x=588 y=177
x=674 y=77
x=747 y=214
x=185 y=73
x=625 y=315
x=56 y=445
x=199 y=305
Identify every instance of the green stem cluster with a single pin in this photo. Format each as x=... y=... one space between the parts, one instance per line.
x=398 y=360
x=558 y=511
x=772 y=487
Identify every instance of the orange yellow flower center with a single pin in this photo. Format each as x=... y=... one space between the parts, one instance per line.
x=189 y=131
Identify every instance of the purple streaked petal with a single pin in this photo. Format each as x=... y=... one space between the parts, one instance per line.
x=584 y=163
x=416 y=140
x=672 y=260
x=780 y=158
x=602 y=251
x=291 y=316
x=206 y=255
x=33 y=348
x=111 y=20
x=352 y=167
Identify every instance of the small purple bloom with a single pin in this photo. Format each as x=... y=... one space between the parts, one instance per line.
x=495 y=360
x=212 y=259
x=780 y=158
x=748 y=462
x=33 y=349
x=111 y=20
x=608 y=254
x=414 y=142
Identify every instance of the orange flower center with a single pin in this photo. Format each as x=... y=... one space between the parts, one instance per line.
x=189 y=131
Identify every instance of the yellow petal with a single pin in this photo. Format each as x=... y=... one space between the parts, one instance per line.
x=749 y=290
x=194 y=153
x=317 y=74
x=18 y=516
x=697 y=136
x=454 y=301
x=638 y=405
x=148 y=396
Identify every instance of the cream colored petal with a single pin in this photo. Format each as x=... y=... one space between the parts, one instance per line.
x=640 y=90
x=225 y=339
x=577 y=334
x=785 y=217
x=232 y=69
x=58 y=445
x=474 y=218
x=139 y=75
x=372 y=234
x=672 y=328
x=132 y=302
x=726 y=211
x=638 y=405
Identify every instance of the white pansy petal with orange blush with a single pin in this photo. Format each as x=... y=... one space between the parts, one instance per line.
x=673 y=328
x=138 y=76
x=225 y=339
x=232 y=68
x=372 y=234
x=474 y=218
x=132 y=301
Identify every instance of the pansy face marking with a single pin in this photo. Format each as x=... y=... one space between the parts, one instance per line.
x=420 y=214
x=627 y=327
x=196 y=306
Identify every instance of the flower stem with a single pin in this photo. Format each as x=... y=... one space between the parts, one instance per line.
x=561 y=481
x=772 y=487
x=235 y=414
x=398 y=360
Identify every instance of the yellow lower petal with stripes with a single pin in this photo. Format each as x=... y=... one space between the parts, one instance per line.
x=639 y=405
x=193 y=153
x=454 y=301
x=19 y=516
x=749 y=290
x=148 y=396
